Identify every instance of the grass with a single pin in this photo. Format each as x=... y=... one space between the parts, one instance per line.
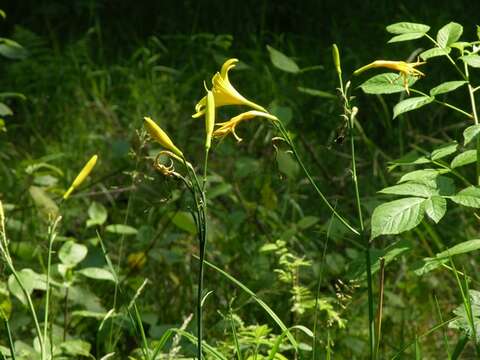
x=82 y=99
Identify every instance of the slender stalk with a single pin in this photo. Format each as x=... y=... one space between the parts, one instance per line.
x=450 y=106
x=475 y=119
x=9 y=334
x=51 y=238
x=290 y=143
x=380 y=307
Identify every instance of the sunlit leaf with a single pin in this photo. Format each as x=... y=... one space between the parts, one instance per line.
x=446 y=87
x=470 y=133
x=435 y=208
x=465 y=158
x=448 y=34
x=410 y=104
x=397 y=216
x=407 y=27
x=282 y=61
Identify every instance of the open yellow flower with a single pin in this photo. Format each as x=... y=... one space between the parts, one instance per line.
x=82 y=175
x=161 y=136
x=224 y=92
x=404 y=68
x=229 y=126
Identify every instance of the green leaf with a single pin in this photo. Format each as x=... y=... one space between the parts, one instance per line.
x=307 y=222
x=76 y=348
x=406 y=37
x=287 y=165
x=444 y=151
x=5 y=110
x=434 y=52
x=462 y=248
x=97 y=214
x=97 y=273
x=448 y=34
x=407 y=27
x=30 y=280
x=184 y=221
x=435 y=208
x=470 y=133
x=386 y=83
x=12 y=50
x=446 y=87
x=397 y=216
x=465 y=158
x=471 y=60
x=468 y=197
x=121 y=229
x=420 y=175
x=410 y=104
x=3 y=14
x=71 y=253
x=409 y=189
x=315 y=92
x=43 y=202
x=282 y=61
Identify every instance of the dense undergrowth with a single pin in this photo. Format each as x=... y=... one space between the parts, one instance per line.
x=267 y=227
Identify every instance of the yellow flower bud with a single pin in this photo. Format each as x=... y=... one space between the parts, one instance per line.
x=209 y=118
x=161 y=136
x=82 y=175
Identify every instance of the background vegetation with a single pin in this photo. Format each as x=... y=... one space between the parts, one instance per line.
x=91 y=70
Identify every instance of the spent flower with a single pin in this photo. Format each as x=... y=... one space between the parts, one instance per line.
x=405 y=69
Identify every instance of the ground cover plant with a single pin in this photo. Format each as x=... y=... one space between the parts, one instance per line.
x=288 y=218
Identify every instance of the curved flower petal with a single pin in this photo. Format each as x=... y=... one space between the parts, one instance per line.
x=229 y=126
x=224 y=92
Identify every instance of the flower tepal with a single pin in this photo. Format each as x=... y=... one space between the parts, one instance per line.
x=404 y=68
x=229 y=126
x=224 y=93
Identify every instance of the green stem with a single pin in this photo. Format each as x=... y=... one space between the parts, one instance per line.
x=465 y=77
x=9 y=334
x=450 y=106
x=285 y=134
x=475 y=119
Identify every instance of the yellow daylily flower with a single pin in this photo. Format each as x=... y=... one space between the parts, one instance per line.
x=229 y=126
x=82 y=175
x=161 y=136
x=224 y=92
x=404 y=68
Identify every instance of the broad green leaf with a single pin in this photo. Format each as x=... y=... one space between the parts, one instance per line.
x=429 y=264
x=282 y=61
x=448 y=34
x=443 y=185
x=446 y=87
x=287 y=165
x=410 y=104
x=407 y=27
x=315 y=92
x=5 y=110
x=43 y=202
x=9 y=94
x=411 y=158
x=386 y=83
x=30 y=280
x=307 y=222
x=184 y=221
x=444 y=151
x=409 y=189
x=434 y=52
x=470 y=133
x=435 y=208
x=97 y=214
x=71 y=253
x=397 y=216
x=465 y=158
x=12 y=50
x=462 y=248
x=121 y=229
x=468 y=197
x=471 y=60
x=406 y=37
x=76 y=348
x=420 y=175
x=97 y=273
